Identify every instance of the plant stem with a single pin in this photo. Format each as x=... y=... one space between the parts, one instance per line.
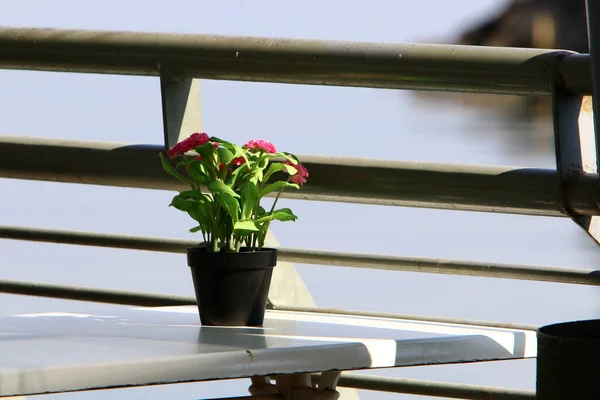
x=262 y=241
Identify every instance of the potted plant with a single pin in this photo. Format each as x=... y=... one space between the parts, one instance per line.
x=231 y=269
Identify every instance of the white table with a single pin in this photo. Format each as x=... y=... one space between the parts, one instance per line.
x=55 y=352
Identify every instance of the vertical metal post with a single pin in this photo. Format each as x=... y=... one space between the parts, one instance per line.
x=181 y=108
x=568 y=353
x=576 y=149
x=577 y=126
x=287 y=286
x=593 y=25
x=576 y=140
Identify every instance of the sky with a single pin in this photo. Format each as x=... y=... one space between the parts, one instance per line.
x=303 y=120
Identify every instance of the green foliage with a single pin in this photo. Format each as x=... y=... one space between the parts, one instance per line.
x=226 y=185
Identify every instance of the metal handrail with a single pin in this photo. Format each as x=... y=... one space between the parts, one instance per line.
x=530 y=191
x=340 y=259
x=359 y=64
x=93 y=294
x=430 y=388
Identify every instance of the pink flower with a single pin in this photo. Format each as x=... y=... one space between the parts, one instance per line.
x=215 y=145
x=261 y=145
x=195 y=140
x=299 y=178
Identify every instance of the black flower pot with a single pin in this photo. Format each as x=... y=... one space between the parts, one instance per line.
x=568 y=361
x=232 y=288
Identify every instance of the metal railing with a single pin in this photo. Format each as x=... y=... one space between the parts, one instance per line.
x=528 y=191
x=338 y=259
x=338 y=63
x=570 y=191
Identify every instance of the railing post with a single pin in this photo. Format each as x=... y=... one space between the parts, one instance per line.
x=181 y=108
x=576 y=140
x=568 y=355
x=593 y=25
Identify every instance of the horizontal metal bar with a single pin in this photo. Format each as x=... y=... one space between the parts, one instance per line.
x=422 y=318
x=440 y=266
x=360 y=64
x=429 y=388
x=166 y=245
x=338 y=259
x=156 y=300
x=94 y=295
x=528 y=191
x=274 y=396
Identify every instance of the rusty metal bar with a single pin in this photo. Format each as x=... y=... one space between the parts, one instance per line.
x=94 y=295
x=273 y=396
x=360 y=64
x=339 y=259
x=529 y=191
x=422 y=318
x=429 y=388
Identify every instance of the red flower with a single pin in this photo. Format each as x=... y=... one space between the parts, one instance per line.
x=195 y=140
x=299 y=178
x=261 y=145
x=236 y=162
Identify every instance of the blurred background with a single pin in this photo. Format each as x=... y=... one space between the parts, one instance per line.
x=399 y=125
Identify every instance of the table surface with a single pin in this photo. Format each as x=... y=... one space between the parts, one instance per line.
x=56 y=352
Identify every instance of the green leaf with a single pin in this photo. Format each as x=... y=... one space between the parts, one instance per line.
x=291 y=157
x=198 y=173
x=191 y=194
x=200 y=211
x=234 y=149
x=287 y=156
x=170 y=170
x=181 y=203
x=230 y=204
x=196 y=229
x=290 y=170
x=238 y=173
x=259 y=167
x=185 y=162
x=276 y=186
x=220 y=187
x=283 y=214
x=206 y=151
x=245 y=226
x=249 y=198
x=276 y=167
x=225 y=156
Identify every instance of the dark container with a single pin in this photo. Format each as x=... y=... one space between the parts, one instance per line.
x=232 y=288
x=568 y=361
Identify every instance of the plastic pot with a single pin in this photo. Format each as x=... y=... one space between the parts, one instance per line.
x=568 y=361
x=231 y=288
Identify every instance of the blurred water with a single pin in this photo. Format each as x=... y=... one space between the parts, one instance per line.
x=306 y=120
